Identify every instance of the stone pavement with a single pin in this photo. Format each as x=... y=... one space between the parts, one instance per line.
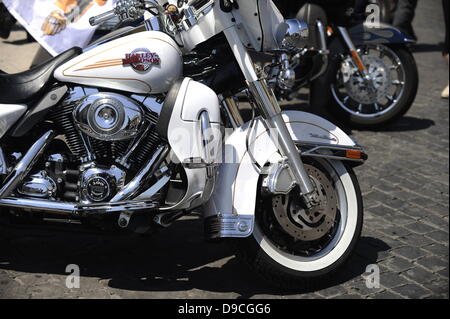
x=405 y=185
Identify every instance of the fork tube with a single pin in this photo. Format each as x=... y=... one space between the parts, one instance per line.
x=351 y=46
x=233 y=112
x=271 y=113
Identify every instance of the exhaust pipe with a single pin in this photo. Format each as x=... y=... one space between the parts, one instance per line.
x=25 y=164
x=74 y=209
x=39 y=205
x=121 y=202
x=132 y=189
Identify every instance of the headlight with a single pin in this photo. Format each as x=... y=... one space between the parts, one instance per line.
x=293 y=34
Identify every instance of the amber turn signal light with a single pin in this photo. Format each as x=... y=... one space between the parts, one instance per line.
x=352 y=154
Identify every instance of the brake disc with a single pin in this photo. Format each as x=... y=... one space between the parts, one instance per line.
x=308 y=224
x=357 y=88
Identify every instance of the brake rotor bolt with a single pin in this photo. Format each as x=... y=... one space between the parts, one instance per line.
x=122 y=222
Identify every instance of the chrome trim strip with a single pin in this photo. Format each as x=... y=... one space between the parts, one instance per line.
x=325 y=145
x=207 y=139
x=331 y=157
x=317 y=147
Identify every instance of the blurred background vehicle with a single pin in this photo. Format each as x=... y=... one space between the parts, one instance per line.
x=371 y=77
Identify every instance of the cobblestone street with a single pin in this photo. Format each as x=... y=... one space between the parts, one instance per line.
x=405 y=187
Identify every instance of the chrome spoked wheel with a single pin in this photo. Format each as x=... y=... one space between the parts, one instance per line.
x=376 y=96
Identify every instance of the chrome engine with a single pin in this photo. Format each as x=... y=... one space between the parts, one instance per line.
x=108 y=137
x=39 y=185
x=109 y=117
x=105 y=126
x=99 y=185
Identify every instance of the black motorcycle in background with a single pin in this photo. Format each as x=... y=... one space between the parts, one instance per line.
x=371 y=78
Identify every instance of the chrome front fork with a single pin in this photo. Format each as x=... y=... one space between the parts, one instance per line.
x=356 y=57
x=271 y=112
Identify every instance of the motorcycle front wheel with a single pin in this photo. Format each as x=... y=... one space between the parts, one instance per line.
x=293 y=247
x=394 y=80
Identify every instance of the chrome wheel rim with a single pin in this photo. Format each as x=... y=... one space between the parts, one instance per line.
x=387 y=76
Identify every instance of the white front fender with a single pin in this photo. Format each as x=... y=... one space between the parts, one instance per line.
x=234 y=197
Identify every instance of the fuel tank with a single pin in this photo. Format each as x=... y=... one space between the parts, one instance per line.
x=145 y=62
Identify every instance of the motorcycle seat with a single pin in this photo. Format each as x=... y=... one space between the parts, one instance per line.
x=28 y=85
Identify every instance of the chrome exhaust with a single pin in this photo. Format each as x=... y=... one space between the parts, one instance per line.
x=74 y=209
x=131 y=190
x=26 y=164
x=39 y=205
x=123 y=201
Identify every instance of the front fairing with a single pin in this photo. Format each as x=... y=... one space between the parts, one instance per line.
x=256 y=20
x=260 y=19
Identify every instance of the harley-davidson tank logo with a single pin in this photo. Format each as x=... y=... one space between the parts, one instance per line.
x=141 y=59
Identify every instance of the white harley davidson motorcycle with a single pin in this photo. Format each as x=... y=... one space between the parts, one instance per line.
x=143 y=128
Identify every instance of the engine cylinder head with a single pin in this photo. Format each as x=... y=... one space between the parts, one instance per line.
x=62 y=117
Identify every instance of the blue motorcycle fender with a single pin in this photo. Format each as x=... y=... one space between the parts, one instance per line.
x=382 y=33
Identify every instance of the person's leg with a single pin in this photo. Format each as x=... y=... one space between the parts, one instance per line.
x=445 y=6
x=445 y=93
x=360 y=6
x=404 y=16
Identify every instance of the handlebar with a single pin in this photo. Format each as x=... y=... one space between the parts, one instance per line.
x=96 y=20
x=132 y=10
x=125 y=10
